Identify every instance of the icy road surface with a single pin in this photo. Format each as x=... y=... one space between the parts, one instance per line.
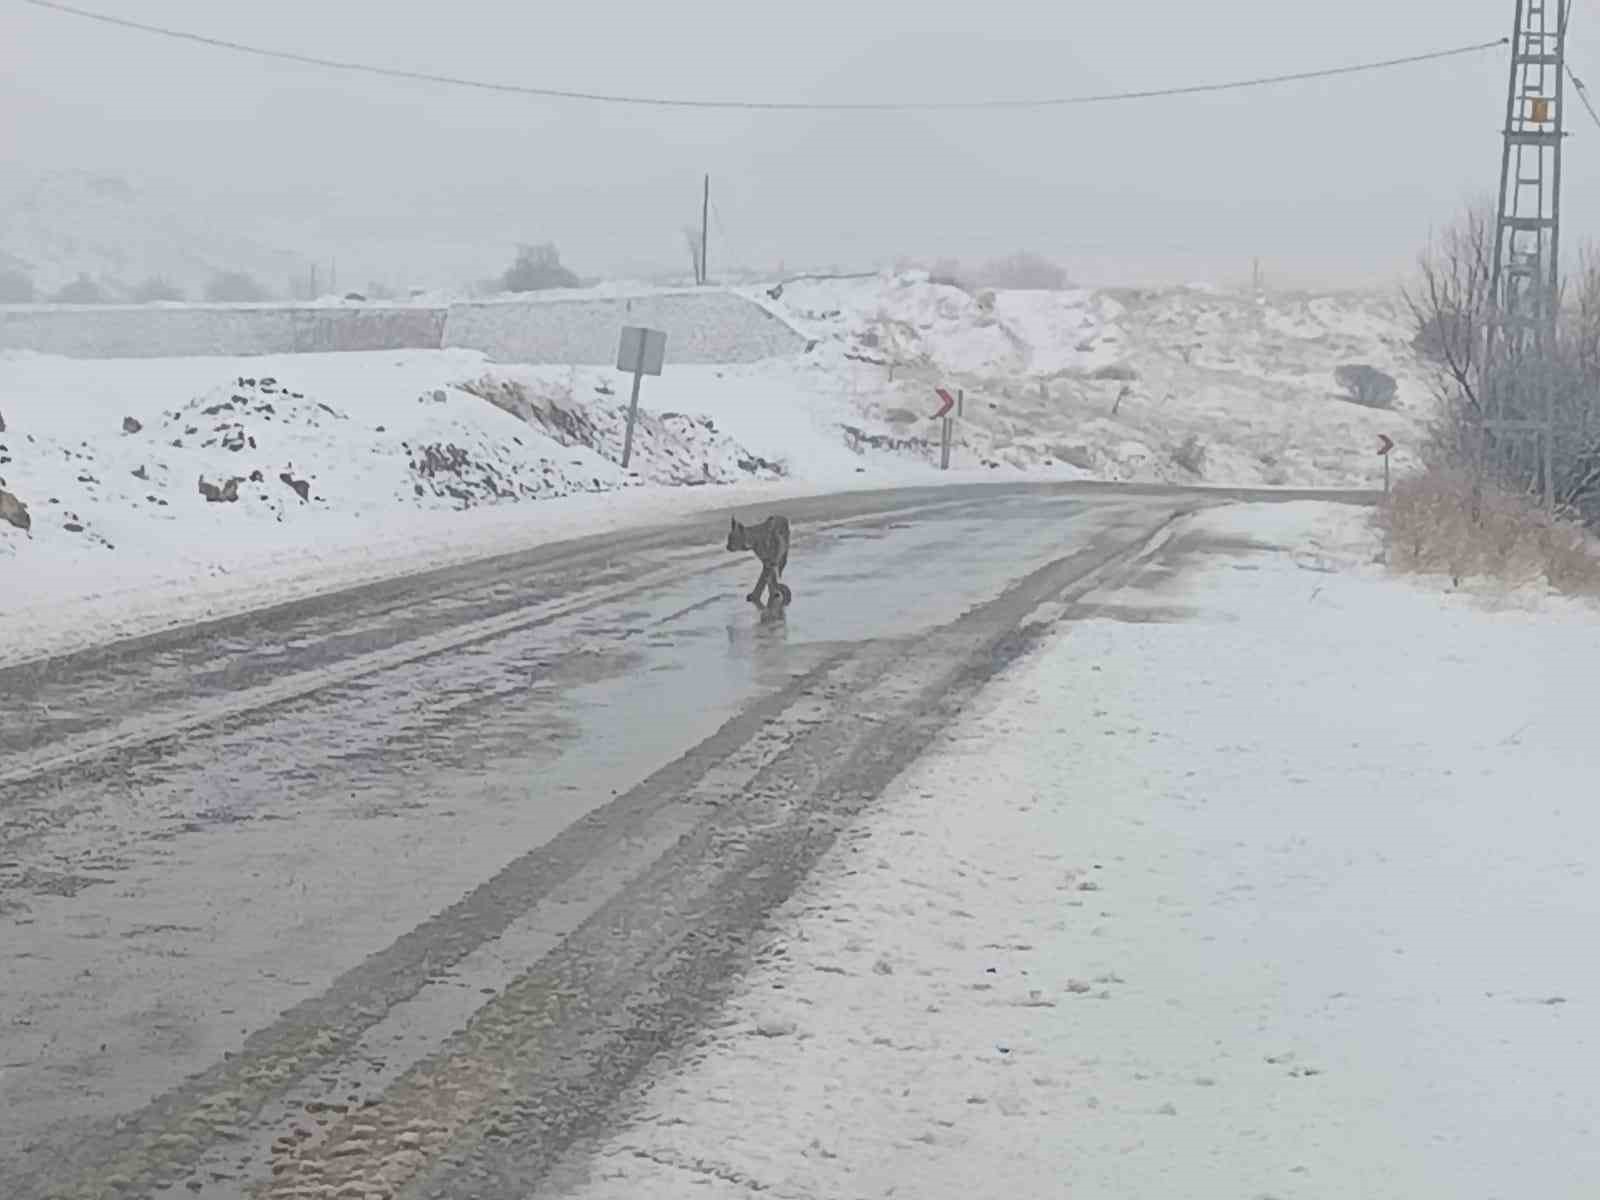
x=410 y=869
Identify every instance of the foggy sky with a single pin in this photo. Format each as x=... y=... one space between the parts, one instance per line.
x=1334 y=181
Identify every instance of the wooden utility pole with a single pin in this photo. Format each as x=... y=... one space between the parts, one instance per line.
x=705 y=229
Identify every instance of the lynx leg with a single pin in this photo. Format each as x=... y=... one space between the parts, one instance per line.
x=762 y=583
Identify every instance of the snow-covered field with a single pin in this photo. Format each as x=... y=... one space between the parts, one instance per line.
x=411 y=459
x=1271 y=877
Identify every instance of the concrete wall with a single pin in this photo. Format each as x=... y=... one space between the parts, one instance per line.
x=702 y=327
x=187 y=331
x=146 y=332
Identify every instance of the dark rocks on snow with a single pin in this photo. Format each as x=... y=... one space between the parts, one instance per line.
x=438 y=459
x=754 y=465
x=2 y=422
x=141 y=473
x=227 y=493
x=300 y=487
x=129 y=425
x=257 y=477
x=73 y=527
x=14 y=512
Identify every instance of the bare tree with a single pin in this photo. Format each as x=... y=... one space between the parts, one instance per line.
x=1454 y=309
x=82 y=290
x=156 y=289
x=537 y=269
x=1023 y=270
x=1453 y=302
x=236 y=287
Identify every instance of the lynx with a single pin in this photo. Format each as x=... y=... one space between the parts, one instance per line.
x=768 y=541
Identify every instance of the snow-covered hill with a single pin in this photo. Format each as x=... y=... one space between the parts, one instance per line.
x=1189 y=385
x=59 y=226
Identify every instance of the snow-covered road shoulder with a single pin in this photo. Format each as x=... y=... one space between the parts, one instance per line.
x=1269 y=877
x=160 y=492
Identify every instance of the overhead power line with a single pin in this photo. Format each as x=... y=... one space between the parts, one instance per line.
x=1583 y=94
x=333 y=64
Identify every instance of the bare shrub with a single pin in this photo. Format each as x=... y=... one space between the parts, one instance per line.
x=1191 y=455
x=15 y=287
x=236 y=287
x=1446 y=522
x=537 y=269
x=1366 y=385
x=155 y=290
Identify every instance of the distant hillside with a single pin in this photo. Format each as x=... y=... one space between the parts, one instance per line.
x=55 y=227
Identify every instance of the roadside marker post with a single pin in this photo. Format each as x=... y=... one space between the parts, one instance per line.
x=1385 y=444
x=946 y=425
x=641 y=351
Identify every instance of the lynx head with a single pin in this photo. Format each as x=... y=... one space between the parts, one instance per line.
x=736 y=536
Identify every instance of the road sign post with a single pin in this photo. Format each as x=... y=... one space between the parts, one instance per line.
x=641 y=351
x=946 y=425
x=1385 y=444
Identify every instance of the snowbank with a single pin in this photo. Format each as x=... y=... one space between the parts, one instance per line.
x=1266 y=879
x=408 y=461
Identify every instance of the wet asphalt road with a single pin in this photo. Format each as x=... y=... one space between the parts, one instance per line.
x=391 y=892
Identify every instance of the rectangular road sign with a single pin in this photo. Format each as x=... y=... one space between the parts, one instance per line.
x=641 y=351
